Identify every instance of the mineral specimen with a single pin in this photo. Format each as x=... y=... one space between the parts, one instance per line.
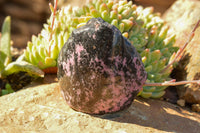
x=99 y=70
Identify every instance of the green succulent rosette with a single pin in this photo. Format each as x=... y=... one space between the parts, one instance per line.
x=43 y=50
x=141 y=26
x=157 y=52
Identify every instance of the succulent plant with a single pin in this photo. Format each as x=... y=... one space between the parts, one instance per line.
x=141 y=26
x=43 y=50
x=157 y=52
x=5 y=52
x=13 y=70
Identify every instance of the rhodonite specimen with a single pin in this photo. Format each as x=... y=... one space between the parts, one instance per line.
x=99 y=71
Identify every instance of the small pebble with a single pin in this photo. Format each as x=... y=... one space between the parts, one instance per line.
x=196 y=107
x=181 y=102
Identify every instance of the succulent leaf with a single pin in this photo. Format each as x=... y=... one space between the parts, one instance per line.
x=157 y=94
x=5 y=52
x=146 y=94
x=23 y=66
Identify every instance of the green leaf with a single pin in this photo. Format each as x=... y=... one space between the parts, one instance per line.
x=157 y=94
x=146 y=94
x=7 y=90
x=50 y=62
x=149 y=88
x=5 y=52
x=4 y=92
x=2 y=61
x=24 y=66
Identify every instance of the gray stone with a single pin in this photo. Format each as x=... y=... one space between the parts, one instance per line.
x=42 y=109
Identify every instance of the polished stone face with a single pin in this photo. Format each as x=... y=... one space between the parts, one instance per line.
x=99 y=70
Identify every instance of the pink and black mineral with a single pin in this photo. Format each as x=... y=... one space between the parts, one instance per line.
x=99 y=70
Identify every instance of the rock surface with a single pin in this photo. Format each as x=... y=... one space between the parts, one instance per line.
x=42 y=109
x=158 y=5
x=182 y=17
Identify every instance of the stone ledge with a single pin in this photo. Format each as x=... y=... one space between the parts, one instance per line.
x=42 y=109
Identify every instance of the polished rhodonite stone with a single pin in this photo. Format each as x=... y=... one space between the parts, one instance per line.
x=99 y=70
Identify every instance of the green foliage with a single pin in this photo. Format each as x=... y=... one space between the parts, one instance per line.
x=141 y=26
x=7 y=90
x=43 y=50
x=5 y=54
x=7 y=67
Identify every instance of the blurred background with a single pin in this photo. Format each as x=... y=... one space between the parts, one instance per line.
x=28 y=16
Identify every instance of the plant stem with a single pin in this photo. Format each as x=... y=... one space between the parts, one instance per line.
x=52 y=24
x=54 y=13
x=173 y=83
x=180 y=51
